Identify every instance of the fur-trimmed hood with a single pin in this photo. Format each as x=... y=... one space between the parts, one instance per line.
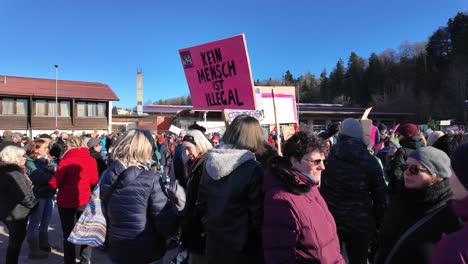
x=224 y=159
x=281 y=173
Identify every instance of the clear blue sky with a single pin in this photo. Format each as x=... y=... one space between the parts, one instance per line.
x=107 y=41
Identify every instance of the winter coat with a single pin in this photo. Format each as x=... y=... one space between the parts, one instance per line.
x=139 y=215
x=453 y=248
x=231 y=202
x=408 y=144
x=410 y=206
x=179 y=162
x=75 y=174
x=353 y=187
x=101 y=164
x=297 y=226
x=16 y=197
x=165 y=153
x=40 y=175
x=192 y=234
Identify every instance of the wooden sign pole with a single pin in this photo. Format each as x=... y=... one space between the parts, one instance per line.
x=278 y=129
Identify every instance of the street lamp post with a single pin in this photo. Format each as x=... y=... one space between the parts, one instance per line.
x=56 y=97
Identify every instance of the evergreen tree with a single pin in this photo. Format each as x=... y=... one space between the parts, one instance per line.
x=337 y=78
x=324 y=89
x=288 y=79
x=354 y=80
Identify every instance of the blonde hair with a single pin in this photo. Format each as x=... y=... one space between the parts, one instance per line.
x=201 y=142
x=11 y=154
x=134 y=149
x=75 y=142
x=244 y=133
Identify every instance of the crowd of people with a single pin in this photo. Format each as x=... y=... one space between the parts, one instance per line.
x=333 y=197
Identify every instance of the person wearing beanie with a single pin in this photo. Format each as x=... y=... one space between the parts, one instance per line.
x=433 y=137
x=424 y=198
x=215 y=140
x=352 y=128
x=409 y=141
x=354 y=189
x=453 y=248
x=94 y=145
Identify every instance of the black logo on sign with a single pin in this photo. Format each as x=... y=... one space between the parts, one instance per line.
x=186 y=59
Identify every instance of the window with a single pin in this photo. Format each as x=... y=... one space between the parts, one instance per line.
x=11 y=106
x=101 y=109
x=21 y=107
x=8 y=106
x=64 y=108
x=319 y=125
x=48 y=108
x=81 y=109
x=91 y=109
x=52 y=109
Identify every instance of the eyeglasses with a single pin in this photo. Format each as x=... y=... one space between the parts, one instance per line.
x=413 y=169
x=317 y=161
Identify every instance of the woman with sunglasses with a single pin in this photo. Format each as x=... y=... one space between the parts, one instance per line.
x=419 y=216
x=192 y=236
x=453 y=248
x=297 y=226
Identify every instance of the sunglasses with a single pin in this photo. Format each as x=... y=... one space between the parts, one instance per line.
x=413 y=169
x=317 y=161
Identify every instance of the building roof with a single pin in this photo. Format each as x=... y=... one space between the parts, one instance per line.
x=164 y=108
x=325 y=109
x=23 y=86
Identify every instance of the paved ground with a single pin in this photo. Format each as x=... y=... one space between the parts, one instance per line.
x=55 y=237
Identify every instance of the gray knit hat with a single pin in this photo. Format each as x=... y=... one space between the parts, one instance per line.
x=435 y=160
x=93 y=142
x=352 y=128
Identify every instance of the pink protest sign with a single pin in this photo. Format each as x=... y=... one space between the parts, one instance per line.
x=218 y=74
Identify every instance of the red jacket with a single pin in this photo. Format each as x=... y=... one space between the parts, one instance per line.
x=76 y=172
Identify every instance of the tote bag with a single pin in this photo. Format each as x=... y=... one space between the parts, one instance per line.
x=91 y=227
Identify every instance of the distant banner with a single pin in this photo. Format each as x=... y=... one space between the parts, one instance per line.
x=232 y=114
x=218 y=74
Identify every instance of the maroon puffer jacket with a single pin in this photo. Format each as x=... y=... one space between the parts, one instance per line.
x=297 y=226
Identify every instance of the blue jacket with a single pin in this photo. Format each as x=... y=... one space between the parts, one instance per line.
x=140 y=217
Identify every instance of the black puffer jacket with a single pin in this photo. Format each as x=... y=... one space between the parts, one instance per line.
x=16 y=197
x=230 y=200
x=353 y=187
x=101 y=164
x=192 y=234
x=408 y=144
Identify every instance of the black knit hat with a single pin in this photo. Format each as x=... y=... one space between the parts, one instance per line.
x=459 y=162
